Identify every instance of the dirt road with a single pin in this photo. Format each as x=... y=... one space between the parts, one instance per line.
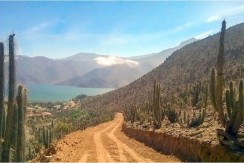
x=105 y=143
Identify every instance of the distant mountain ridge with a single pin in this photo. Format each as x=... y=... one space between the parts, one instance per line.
x=89 y=69
x=183 y=68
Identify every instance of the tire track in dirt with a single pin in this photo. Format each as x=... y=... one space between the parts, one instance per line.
x=102 y=153
x=123 y=147
x=111 y=135
x=105 y=143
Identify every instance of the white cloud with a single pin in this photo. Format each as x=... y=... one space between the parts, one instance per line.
x=204 y=34
x=213 y=19
x=111 y=60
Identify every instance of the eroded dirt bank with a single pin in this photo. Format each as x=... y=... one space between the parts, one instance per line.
x=186 y=148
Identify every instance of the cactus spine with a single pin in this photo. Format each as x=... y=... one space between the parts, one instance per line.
x=1 y=95
x=11 y=101
x=21 y=101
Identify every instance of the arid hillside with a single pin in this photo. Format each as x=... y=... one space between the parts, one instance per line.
x=184 y=67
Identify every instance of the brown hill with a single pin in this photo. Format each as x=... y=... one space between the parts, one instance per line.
x=185 y=66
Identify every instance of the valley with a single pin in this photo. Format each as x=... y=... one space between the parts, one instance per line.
x=182 y=101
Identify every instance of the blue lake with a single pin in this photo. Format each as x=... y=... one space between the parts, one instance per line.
x=53 y=93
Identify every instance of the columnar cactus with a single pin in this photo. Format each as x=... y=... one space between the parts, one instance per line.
x=157 y=111
x=194 y=121
x=196 y=94
x=220 y=77
x=1 y=94
x=171 y=113
x=14 y=134
x=199 y=95
x=234 y=107
x=11 y=101
x=21 y=101
x=47 y=135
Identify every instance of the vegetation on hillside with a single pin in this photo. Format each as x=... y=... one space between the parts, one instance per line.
x=174 y=106
x=52 y=121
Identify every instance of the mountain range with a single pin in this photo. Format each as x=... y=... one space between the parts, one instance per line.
x=89 y=69
x=183 y=68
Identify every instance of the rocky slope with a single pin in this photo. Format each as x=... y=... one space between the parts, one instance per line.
x=185 y=66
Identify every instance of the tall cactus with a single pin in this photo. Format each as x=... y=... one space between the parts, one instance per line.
x=46 y=137
x=234 y=118
x=157 y=112
x=220 y=76
x=11 y=101
x=1 y=94
x=196 y=94
x=21 y=101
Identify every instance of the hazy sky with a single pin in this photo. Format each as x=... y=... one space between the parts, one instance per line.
x=59 y=29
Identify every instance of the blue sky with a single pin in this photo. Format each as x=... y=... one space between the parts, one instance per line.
x=60 y=29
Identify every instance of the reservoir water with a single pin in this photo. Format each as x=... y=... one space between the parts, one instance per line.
x=54 y=93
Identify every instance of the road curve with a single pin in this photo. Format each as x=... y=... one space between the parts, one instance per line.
x=105 y=143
